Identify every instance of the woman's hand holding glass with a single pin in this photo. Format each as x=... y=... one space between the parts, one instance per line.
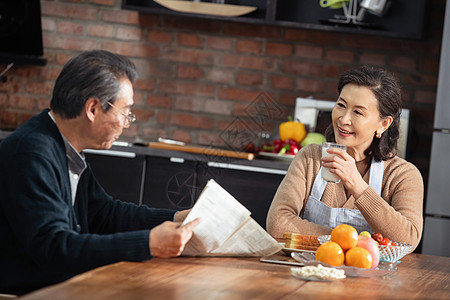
x=344 y=166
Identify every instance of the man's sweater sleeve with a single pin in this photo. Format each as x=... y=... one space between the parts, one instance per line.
x=43 y=218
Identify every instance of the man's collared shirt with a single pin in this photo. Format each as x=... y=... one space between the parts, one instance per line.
x=76 y=163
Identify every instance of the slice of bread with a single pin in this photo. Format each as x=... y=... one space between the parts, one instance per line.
x=302 y=247
x=301 y=241
x=300 y=237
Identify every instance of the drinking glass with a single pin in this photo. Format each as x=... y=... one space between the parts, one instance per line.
x=326 y=174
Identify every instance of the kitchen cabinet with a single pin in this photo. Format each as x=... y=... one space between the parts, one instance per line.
x=254 y=188
x=174 y=180
x=170 y=182
x=403 y=18
x=120 y=173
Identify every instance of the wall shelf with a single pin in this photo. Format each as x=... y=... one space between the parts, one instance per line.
x=150 y=6
x=404 y=18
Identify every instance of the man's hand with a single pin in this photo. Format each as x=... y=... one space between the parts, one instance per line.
x=169 y=238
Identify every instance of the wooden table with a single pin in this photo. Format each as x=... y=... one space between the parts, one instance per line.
x=418 y=277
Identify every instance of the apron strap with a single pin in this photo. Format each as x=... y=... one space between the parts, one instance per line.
x=319 y=185
x=317 y=212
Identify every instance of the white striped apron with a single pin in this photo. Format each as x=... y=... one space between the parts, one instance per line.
x=318 y=212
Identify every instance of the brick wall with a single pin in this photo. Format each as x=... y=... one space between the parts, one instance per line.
x=200 y=77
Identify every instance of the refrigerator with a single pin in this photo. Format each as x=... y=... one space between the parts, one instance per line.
x=436 y=234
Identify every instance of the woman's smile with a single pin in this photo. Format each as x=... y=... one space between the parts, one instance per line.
x=344 y=133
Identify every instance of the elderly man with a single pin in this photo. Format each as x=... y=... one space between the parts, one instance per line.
x=55 y=219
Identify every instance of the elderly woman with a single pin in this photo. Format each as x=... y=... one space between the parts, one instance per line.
x=378 y=191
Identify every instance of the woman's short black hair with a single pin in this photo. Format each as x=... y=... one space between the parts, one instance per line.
x=387 y=91
x=90 y=74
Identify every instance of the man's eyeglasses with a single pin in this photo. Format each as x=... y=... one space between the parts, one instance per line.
x=129 y=118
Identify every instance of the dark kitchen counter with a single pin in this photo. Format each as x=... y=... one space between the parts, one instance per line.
x=146 y=151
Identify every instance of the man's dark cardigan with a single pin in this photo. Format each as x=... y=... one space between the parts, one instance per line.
x=45 y=239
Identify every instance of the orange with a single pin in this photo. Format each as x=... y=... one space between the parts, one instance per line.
x=358 y=257
x=345 y=235
x=330 y=253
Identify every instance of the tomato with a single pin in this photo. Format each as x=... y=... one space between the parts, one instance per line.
x=293 y=149
x=288 y=146
x=385 y=242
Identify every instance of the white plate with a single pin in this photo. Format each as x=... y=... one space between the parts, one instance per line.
x=276 y=156
x=288 y=251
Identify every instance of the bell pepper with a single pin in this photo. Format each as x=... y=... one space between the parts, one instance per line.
x=292 y=130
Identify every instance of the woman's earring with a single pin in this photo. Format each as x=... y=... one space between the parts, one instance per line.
x=378 y=135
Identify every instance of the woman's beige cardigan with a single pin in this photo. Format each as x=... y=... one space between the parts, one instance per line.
x=397 y=214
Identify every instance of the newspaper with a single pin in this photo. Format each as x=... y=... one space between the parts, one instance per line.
x=226 y=227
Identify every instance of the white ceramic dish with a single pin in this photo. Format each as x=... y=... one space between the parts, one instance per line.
x=276 y=156
x=288 y=251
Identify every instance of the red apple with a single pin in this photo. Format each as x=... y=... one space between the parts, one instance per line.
x=370 y=245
